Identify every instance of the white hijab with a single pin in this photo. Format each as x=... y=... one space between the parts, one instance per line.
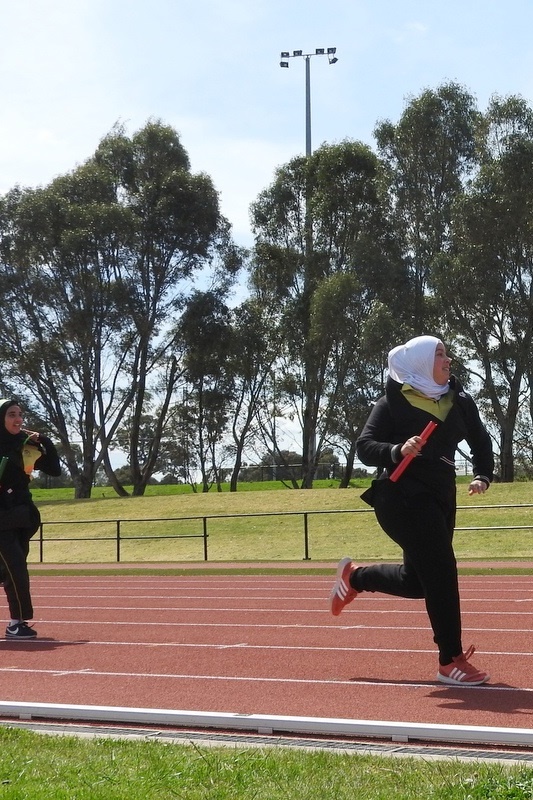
x=413 y=363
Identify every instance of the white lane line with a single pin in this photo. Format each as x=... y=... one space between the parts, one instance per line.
x=241 y=577
x=319 y=598
x=258 y=679
x=241 y=610
x=268 y=647
x=298 y=627
x=64 y=672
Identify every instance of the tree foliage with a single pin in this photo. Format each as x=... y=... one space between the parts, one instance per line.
x=94 y=270
x=487 y=279
x=108 y=342
x=324 y=254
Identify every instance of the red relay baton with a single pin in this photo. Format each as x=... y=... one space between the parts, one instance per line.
x=406 y=460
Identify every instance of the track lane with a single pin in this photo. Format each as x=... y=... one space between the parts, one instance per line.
x=268 y=645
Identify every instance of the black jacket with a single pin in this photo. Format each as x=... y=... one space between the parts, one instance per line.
x=14 y=481
x=393 y=420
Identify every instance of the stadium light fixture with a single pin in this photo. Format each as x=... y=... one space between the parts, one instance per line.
x=319 y=51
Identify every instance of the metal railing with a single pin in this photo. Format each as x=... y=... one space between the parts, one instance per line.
x=119 y=538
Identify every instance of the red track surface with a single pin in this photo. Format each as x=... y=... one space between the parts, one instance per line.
x=268 y=645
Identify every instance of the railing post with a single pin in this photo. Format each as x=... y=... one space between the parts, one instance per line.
x=205 y=538
x=118 y=541
x=306 y=538
x=41 y=542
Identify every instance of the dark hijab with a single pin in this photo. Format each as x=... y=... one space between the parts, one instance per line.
x=9 y=442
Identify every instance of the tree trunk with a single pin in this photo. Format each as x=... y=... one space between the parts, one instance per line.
x=112 y=478
x=236 y=468
x=309 y=442
x=506 y=457
x=82 y=486
x=350 y=458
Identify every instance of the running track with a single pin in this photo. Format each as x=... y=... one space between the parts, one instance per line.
x=268 y=645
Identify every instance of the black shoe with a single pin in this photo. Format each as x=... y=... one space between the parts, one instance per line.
x=20 y=630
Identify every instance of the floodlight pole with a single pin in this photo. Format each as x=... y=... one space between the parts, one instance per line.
x=308 y=105
x=309 y=444
x=330 y=52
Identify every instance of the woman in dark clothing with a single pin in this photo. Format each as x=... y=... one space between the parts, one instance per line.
x=418 y=510
x=21 y=452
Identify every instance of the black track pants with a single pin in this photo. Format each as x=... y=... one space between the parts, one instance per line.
x=424 y=530
x=14 y=548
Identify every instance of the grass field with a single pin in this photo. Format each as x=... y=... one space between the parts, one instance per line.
x=262 y=524
x=65 y=768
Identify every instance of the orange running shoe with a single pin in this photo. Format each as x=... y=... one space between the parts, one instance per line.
x=342 y=593
x=460 y=672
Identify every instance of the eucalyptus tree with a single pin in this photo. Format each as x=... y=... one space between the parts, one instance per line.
x=362 y=378
x=485 y=283
x=95 y=269
x=429 y=156
x=170 y=455
x=204 y=331
x=178 y=230
x=323 y=249
x=251 y=361
x=59 y=248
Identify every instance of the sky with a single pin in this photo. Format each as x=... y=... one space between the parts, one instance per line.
x=72 y=69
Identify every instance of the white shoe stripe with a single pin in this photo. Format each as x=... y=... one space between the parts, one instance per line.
x=457 y=675
x=342 y=590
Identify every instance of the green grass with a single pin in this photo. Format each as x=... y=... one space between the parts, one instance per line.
x=66 y=768
x=264 y=525
x=160 y=490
